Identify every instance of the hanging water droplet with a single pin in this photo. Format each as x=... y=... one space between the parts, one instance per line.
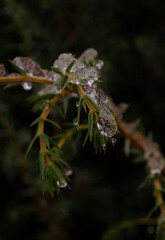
x=75 y=121
x=61 y=183
x=58 y=90
x=27 y=85
x=77 y=104
x=68 y=172
x=114 y=140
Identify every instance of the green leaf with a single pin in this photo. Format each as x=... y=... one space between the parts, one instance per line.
x=79 y=111
x=53 y=123
x=31 y=144
x=64 y=86
x=17 y=68
x=65 y=105
x=45 y=138
x=152 y=211
x=58 y=158
x=51 y=183
x=70 y=66
x=35 y=121
x=42 y=163
x=86 y=138
x=90 y=124
x=91 y=102
x=56 y=171
x=57 y=70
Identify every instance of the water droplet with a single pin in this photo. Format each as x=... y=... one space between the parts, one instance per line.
x=75 y=121
x=69 y=172
x=27 y=85
x=62 y=183
x=77 y=104
x=114 y=140
x=58 y=90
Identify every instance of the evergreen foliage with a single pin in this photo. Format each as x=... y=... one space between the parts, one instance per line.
x=51 y=186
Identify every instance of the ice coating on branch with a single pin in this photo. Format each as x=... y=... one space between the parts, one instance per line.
x=89 y=56
x=3 y=71
x=155 y=159
x=86 y=73
x=106 y=122
x=29 y=66
x=101 y=96
x=51 y=75
x=49 y=89
x=77 y=65
x=63 y=61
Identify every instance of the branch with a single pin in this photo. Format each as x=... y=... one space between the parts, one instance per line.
x=19 y=79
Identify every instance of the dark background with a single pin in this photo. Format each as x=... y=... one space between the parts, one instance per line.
x=130 y=38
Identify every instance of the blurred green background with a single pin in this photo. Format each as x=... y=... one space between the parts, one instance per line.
x=130 y=38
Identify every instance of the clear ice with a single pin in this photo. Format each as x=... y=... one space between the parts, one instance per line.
x=29 y=66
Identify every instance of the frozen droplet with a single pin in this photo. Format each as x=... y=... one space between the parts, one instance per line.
x=63 y=61
x=90 y=82
x=156 y=162
x=155 y=171
x=86 y=73
x=89 y=55
x=101 y=96
x=58 y=89
x=27 y=85
x=51 y=75
x=68 y=172
x=49 y=89
x=99 y=64
x=62 y=183
x=77 y=104
x=75 y=121
x=114 y=140
x=106 y=122
x=3 y=71
x=77 y=65
x=29 y=66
